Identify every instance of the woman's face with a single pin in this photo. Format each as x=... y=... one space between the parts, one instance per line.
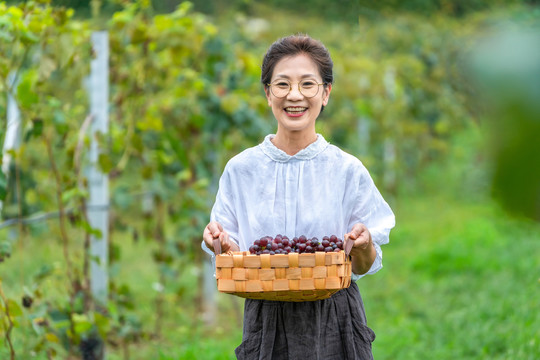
x=295 y=112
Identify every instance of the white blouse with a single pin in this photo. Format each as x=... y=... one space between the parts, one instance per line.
x=321 y=190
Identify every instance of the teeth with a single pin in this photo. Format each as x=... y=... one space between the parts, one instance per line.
x=295 y=110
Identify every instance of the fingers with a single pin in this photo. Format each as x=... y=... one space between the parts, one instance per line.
x=212 y=232
x=224 y=237
x=221 y=244
x=215 y=228
x=360 y=235
x=357 y=230
x=224 y=241
x=362 y=243
x=348 y=244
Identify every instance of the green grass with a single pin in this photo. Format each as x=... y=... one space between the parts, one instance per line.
x=183 y=334
x=460 y=281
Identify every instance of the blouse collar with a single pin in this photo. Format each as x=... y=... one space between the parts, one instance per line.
x=307 y=153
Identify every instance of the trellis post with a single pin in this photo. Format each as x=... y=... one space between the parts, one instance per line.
x=363 y=131
x=209 y=280
x=98 y=182
x=12 y=140
x=389 y=149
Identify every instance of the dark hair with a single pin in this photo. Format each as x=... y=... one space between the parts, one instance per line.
x=295 y=45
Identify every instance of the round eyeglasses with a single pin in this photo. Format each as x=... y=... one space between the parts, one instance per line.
x=282 y=88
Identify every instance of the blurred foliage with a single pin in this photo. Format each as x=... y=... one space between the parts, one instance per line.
x=398 y=86
x=176 y=90
x=337 y=11
x=506 y=71
x=351 y=10
x=439 y=293
x=185 y=97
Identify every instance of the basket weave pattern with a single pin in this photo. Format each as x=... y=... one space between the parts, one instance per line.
x=290 y=277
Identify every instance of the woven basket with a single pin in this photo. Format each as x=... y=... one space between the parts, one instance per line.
x=290 y=277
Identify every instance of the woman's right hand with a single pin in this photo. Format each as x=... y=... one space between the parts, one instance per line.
x=214 y=231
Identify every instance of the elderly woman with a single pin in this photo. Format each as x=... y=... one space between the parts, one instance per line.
x=296 y=183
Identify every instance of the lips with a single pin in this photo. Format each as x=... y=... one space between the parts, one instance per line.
x=295 y=110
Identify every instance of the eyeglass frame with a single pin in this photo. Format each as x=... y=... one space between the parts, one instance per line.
x=299 y=89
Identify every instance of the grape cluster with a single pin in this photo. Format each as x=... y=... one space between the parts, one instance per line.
x=27 y=301
x=91 y=348
x=281 y=244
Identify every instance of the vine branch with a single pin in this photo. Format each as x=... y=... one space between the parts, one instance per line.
x=63 y=230
x=10 y=326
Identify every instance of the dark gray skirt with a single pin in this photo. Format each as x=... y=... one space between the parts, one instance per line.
x=333 y=328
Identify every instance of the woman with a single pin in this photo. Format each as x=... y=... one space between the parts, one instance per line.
x=295 y=183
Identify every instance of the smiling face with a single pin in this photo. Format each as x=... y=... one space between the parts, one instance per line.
x=295 y=113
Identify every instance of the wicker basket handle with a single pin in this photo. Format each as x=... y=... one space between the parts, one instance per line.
x=217 y=246
x=347 y=245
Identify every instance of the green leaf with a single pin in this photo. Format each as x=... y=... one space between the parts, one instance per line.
x=73 y=193
x=35 y=130
x=5 y=249
x=26 y=89
x=82 y=323
x=58 y=317
x=29 y=38
x=122 y=198
x=96 y=259
x=102 y=323
x=60 y=123
x=90 y=230
x=105 y=163
x=3 y=186
x=6 y=36
x=137 y=143
x=14 y=308
x=121 y=19
x=45 y=271
x=46 y=67
x=51 y=337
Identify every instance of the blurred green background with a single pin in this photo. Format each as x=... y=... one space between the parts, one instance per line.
x=439 y=99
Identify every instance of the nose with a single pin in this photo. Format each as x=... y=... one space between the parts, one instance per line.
x=295 y=93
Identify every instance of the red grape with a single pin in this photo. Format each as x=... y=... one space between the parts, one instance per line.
x=283 y=245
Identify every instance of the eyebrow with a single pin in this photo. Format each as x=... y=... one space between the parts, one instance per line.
x=303 y=76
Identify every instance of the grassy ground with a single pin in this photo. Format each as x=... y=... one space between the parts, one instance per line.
x=182 y=334
x=460 y=281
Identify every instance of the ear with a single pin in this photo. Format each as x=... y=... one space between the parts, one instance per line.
x=326 y=94
x=267 y=93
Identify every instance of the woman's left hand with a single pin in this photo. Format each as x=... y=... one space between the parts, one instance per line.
x=363 y=253
x=361 y=237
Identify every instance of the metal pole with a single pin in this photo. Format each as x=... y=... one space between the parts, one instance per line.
x=13 y=132
x=389 y=151
x=98 y=182
x=363 y=129
x=209 y=280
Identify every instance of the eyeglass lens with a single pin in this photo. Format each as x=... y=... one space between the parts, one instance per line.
x=308 y=88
